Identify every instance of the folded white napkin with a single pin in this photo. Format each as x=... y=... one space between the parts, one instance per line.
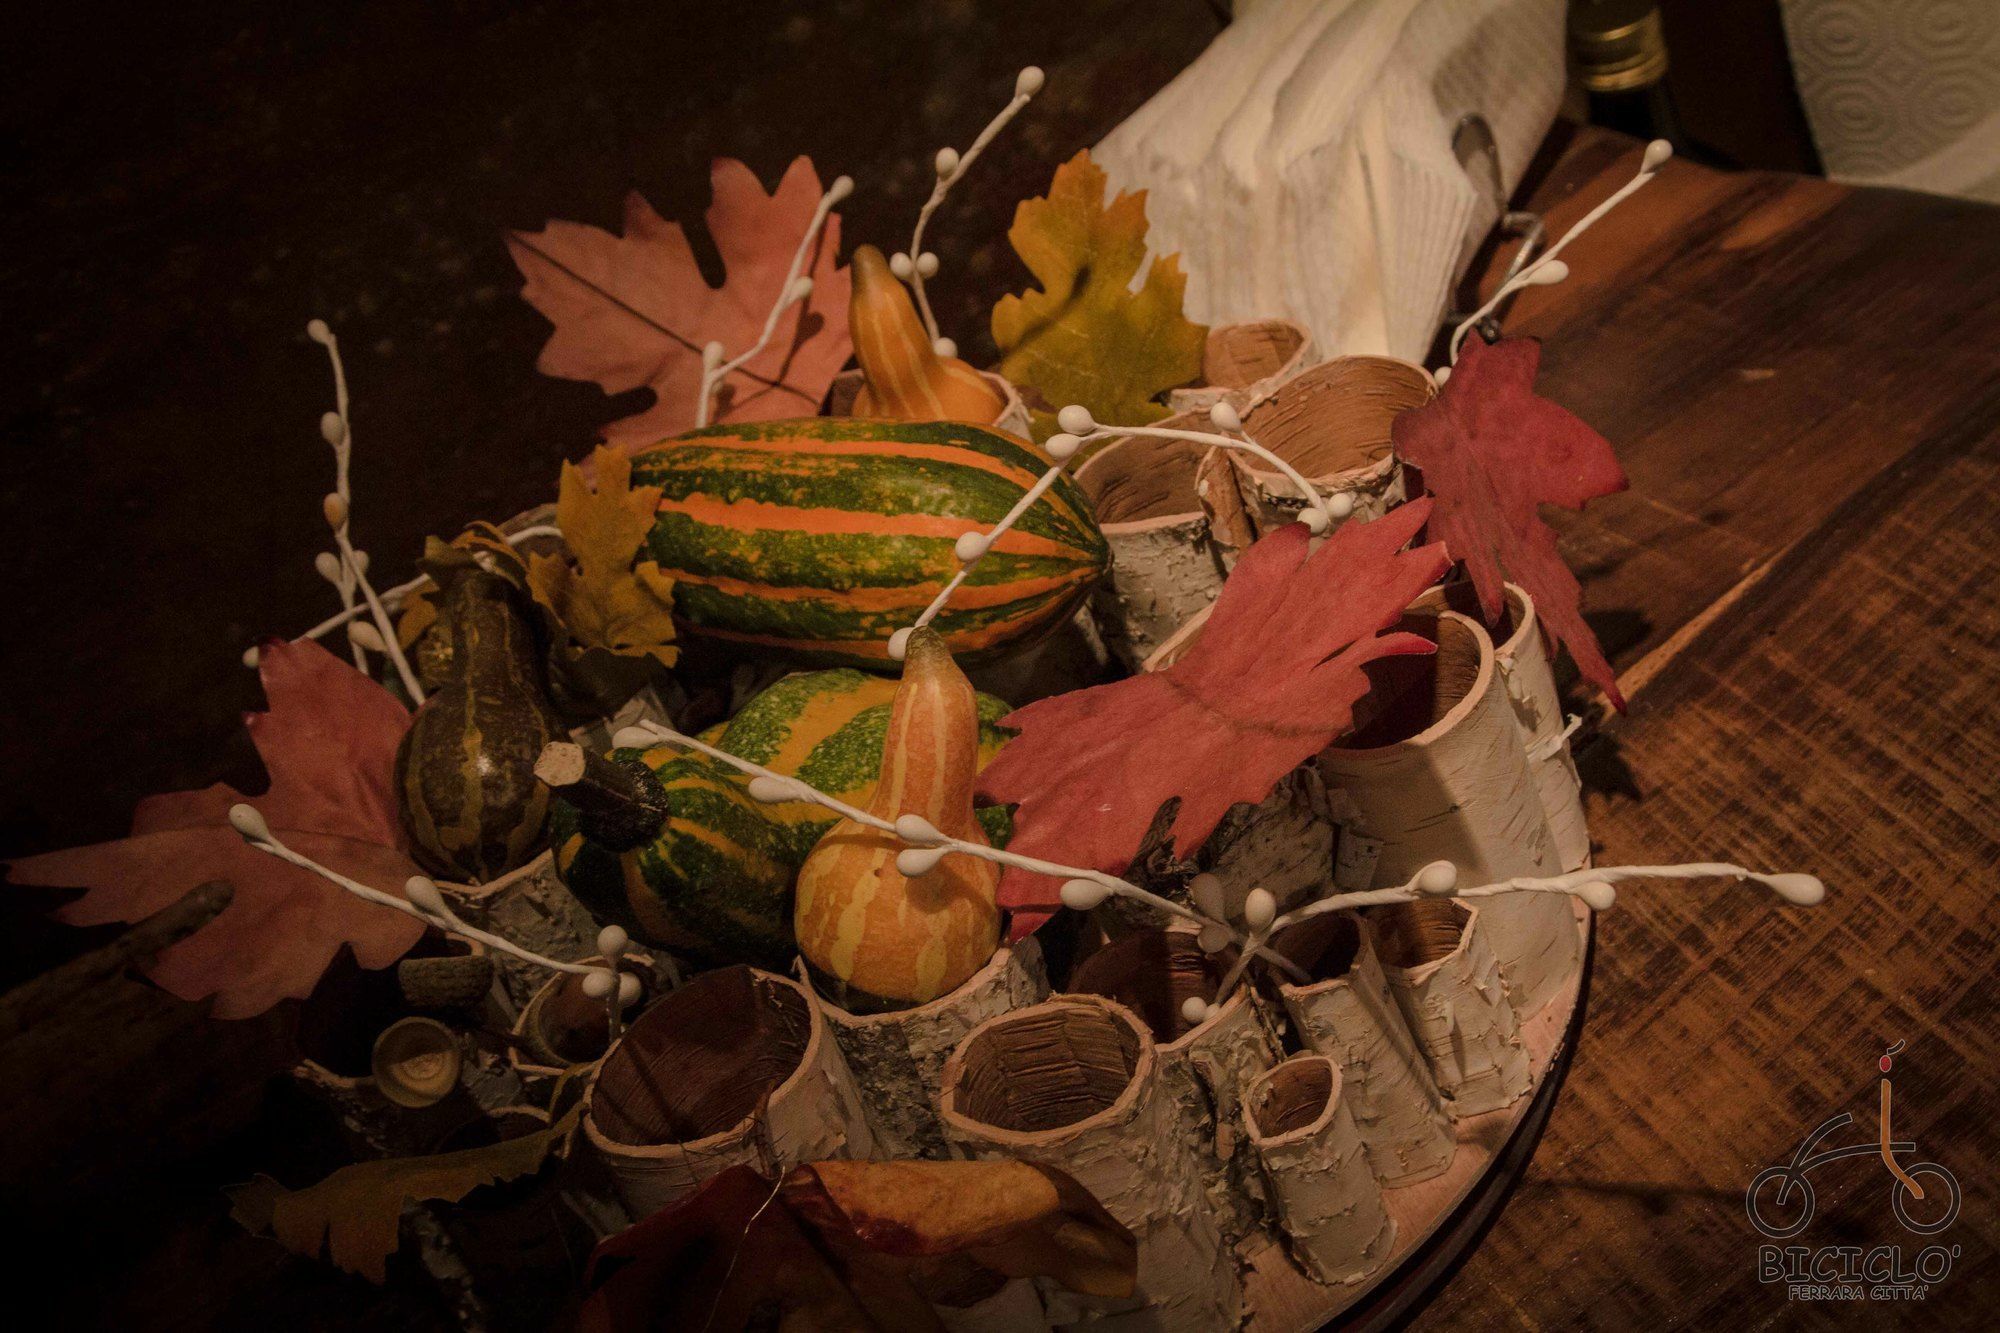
x=1303 y=165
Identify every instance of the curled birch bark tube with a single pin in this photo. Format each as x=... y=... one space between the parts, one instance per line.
x=560 y=1026
x=1531 y=690
x=1440 y=774
x=897 y=1059
x=1203 y=1066
x=1331 y=422
x=734 y=1068
x=1328 y=1202
x=537 y=913
x=1445 y=978
x=1347 y=1014
x=1156 y=503
x=1074 y=1083
x=1013 y=417
x=1245 y=363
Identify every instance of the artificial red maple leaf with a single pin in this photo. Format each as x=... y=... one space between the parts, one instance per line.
x=1272 y=680
x=1491 y=452
x=634 y=311
x=329 y=744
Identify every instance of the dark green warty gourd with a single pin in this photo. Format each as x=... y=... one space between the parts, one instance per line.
x=465 y=774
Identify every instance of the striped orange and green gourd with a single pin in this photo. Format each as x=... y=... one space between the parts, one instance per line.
x=872 y=937
x=823 y=536
x=716 y=883
x=903 y=377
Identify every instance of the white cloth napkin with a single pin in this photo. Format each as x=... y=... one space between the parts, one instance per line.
x=1303 y=165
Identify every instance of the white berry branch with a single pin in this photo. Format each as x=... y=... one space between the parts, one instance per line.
x=917 y=263
x=394 y=597
x=347 y=568
x=1548 y=270
x=1082 y=889
x=1078 y=427
x=424 y=902
x=796 y=288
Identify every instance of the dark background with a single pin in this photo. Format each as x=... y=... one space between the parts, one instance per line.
x=187 y=185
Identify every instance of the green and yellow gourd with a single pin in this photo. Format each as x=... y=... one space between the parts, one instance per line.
x=465 y=776
x=873 y=937
x=823 y=536
x=716 y=881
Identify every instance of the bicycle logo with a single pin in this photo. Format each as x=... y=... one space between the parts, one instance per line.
x=1924 y=1196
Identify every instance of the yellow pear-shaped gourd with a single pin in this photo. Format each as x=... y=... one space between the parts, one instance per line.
x=873 y=937
x=905 y=378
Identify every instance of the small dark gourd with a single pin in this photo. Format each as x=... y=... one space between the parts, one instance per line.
x=465 y=774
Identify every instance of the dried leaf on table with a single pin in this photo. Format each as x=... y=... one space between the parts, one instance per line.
x=853 y=1246
x=1492 y=452
x=354 y=1216
x=329 y=745
x=634 y=311
x=1272 y=679
x=1087 y=337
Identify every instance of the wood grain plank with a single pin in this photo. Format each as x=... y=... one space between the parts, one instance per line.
x=1758 y=347
x=1841 y=716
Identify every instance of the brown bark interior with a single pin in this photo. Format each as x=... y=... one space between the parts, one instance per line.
x=701 y=1059
x=1412 y=934
x=1293 y=1097
x=1152 y=973
x=1326 y=945
x=1047 y=1067
x=1335 y=417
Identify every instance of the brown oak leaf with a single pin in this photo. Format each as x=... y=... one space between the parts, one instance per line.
x=329 y=745
x=634 y=311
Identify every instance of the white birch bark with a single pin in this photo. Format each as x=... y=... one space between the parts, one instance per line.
x=1075 y=1083
x=1348 y=1015
x=1459 y=790
x=897 y=1059
x=1447 y=983
x=1168 y=560
x=1328 y=1202
x=1531 y=691
x=1205 y=1066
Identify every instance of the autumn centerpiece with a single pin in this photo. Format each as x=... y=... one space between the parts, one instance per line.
x=691 y=755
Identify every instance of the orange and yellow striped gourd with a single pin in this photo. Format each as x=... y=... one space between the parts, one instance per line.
x=905 y=378
x=874 y=938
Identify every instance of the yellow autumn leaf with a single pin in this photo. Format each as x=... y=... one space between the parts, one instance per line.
x=606 y=600
x=1087 y=337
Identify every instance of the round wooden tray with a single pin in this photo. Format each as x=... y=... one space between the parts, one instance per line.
x=1438 y=1221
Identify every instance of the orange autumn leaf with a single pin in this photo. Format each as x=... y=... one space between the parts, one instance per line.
x=634 y=311
x=1087 y=336
x=329 y=744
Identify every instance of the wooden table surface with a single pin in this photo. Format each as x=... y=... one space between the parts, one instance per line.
x=1799 y=592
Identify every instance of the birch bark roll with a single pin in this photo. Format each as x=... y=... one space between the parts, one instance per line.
x=897 y=1059
x=1331 y=422
x=1446 y=981
x=735 y=1067
x=1328 y=1202
x=1245 y=363
x=535 y=912
x=1203 y=1066
x=1013 y=417
x=1156 y=503
x=1347 y=1014
x=1531 y=690
x=1440 y=774
x=1075 y=1083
